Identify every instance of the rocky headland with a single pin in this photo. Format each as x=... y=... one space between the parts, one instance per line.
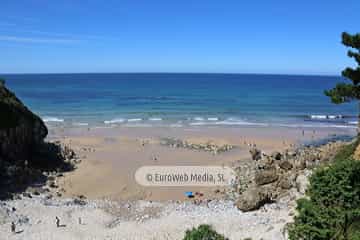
x=25 y=158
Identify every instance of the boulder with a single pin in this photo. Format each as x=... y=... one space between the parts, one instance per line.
x=286 y=165
x=286 y=182
x=300 y=164
x=252 y=199
x=255 y=154
x=302 y=183
x=276 y=155
x=266 y=176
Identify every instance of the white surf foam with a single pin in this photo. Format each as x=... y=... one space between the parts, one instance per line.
x=137 y=125
x=198 y=123
x=116 y=120
x=240 y=122
x=155 y=119
x=326 y=116
x=213 y=119
x=52 y=119
x=198 y=118
x=80 y=124
x=176 y=125
x=134 y=120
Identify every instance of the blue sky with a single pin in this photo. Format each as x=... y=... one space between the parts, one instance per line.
x=288 y=37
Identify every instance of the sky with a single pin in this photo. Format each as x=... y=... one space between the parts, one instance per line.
x=228 y=36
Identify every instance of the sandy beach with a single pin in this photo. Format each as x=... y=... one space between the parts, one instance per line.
x=101 y=200
x=111 y=156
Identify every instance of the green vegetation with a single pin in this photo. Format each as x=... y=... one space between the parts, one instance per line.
x=203 y=232
x=332 y=209
x=347 y=92
x=346 y=152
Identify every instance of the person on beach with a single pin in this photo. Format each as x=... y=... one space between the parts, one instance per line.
x=57 y=221
x=13 y=227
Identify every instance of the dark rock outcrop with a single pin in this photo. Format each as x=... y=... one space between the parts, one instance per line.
x=24 y=156
x=255 y=154
x=21 y=131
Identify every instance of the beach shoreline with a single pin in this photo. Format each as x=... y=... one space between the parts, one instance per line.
x=111 y=156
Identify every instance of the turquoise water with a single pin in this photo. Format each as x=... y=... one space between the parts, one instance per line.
x=182 y=99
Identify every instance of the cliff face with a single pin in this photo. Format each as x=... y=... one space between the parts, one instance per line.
x=20 y=130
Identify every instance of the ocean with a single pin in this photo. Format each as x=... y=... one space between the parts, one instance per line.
x=169 y=99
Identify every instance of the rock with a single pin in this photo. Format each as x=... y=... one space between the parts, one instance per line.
x=286 y=165
x=79 y=202
x=266 y=176
x=276 y=155
x=20 y=130
x=255 y=154
x=291 y=153
x=285 y=182
x=27 y=194
x=252 y=199
x=49 y=196
x=52 y=184
x=300 y=164
x=302 y=183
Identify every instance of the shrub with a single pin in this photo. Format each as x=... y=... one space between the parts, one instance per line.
x=203 y=232
x=346 y=151
x=332 y=209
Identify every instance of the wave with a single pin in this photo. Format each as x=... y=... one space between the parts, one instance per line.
x=325 y=117
x=198 y=118
x=134 y=120
x=229 y=121
x=240 y=122
x=116 y=120
x=353 y=122
x=52 y=119
x=176 y=125
x=198 y=123
x=212 y=119
x=80 y=124
x=155 y=119
x=300 y=125
x=137 y=125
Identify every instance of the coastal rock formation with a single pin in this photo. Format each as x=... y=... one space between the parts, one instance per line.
x=253 y=198
x=20 y=130
x=207 y=146
x=265 y=176
x=24 y=156
x=279 y=174
x=255 y=154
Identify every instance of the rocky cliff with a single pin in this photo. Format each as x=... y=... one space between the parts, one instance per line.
x=21 y=131
x=25 y=158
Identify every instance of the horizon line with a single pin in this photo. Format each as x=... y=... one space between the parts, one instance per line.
x=222 y=73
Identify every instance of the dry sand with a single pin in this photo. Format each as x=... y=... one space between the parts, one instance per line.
x=147 y=221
